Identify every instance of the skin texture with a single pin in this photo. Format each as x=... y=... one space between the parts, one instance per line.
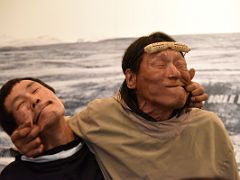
x=160 y=83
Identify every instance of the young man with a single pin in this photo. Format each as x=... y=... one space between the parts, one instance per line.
x=66 y=157
x=147 y=131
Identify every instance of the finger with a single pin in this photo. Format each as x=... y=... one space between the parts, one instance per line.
x=191 y=73
x=25 y=124
x=200 y=98
x=35 y=151
x=33 y=134
x=185 y=77
x=29 y=147
x=197 y=92
x=20 y=133
x=25 y=134
x=195 y=88
x=26 y=147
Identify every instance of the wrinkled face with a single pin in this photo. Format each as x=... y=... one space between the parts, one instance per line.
x=158 y=81
x=31 y=101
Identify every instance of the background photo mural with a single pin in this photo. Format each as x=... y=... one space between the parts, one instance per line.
x=83 y=71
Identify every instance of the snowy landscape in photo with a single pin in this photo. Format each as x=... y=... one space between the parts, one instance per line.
x=83 y=71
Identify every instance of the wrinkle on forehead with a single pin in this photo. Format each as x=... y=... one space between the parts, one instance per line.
x=167 y=55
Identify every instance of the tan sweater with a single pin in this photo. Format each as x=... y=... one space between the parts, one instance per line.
x=196 y=144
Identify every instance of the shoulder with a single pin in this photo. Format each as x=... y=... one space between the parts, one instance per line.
x=206 y=117
x=95 y=112
x=109 y=104
x=12 y=170
x=203 y=113
x=103 y=102
x=208 y=123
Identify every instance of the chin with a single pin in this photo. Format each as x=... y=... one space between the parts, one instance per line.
x=179 y=100
x=180 y=105
x=49 y=119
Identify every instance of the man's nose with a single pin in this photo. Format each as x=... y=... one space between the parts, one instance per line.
x=35 y=102
x=173 y=72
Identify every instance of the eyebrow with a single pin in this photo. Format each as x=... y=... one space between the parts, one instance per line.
x=29 y=85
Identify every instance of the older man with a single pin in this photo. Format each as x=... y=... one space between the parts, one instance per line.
x=147 y=131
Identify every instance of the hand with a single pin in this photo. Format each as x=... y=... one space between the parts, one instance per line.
x=26 y=139
x=187 y=75
x=197 y=95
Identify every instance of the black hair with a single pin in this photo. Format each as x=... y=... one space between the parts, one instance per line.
x=132 y=59
x=7 y=121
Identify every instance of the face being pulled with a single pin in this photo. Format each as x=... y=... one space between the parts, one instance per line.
x=159 y=81
x=31 y=101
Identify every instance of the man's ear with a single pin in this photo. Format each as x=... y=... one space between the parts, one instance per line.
x=130 y=79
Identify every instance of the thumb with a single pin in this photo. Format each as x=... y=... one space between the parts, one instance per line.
x=191 y=73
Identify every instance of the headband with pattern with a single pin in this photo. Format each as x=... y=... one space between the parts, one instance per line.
x=160 y=46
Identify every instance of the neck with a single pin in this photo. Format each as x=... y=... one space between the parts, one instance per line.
x=56 y=135
x=158 y=113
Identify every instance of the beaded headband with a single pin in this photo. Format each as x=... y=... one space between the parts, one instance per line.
x=160 y=46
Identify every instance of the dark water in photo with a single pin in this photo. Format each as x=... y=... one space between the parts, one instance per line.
x=81 y=72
